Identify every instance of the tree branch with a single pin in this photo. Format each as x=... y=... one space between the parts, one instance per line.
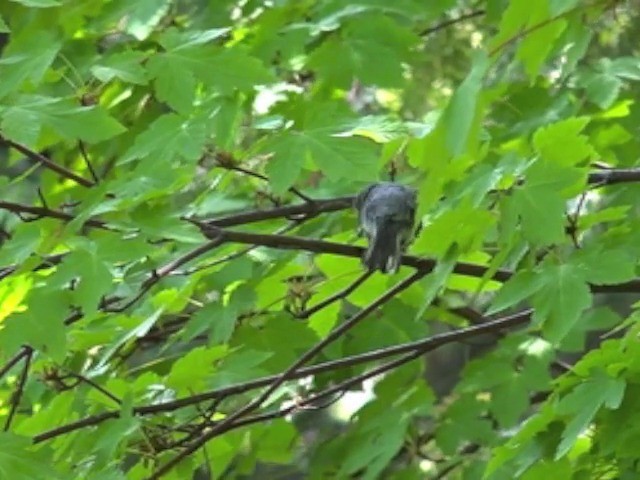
x=41 y=159
x=40 y=212
x=17 y=395
x=309 y=208
x=47 y=262
x=416 y=349
x=24 y=351
x=599 y=178
x=287 y=374
x=335 y=297
x=424 y=345
x=450 y=22
x=546 y=22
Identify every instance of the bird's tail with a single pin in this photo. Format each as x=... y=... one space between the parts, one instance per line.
x=385 y=249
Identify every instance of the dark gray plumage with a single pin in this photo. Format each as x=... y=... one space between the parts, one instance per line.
x=386 y=216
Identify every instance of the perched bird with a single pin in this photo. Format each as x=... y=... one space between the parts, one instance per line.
x=386 y=216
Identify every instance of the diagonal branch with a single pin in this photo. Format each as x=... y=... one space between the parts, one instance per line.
x=416 y=350
x=23 y=352
x=17 y=395
x=288 y=373
x=425 y=345
x=47 y=262
x=335 y=297
x=450 y=22
x=523 y=33
x=314 y=207
x=41 y=159
x=40 y=212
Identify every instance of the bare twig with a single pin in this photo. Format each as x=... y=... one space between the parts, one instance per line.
x=538 y=26
x=157 y=275
x=41 y=159
x=17 y=395
x=41 y=212
x=23 y=352
x=286 y=375
x=228 y=164
x=310 y=208
x=88 y=381
x=424 y=345
x=416 y=350
x=334 y=298
x=450 y=22
x=87 y=161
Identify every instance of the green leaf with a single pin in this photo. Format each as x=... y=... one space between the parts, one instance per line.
x=174 y=86
x=222 y=323
x=379 y=128
x=191 y=371
x=4 y=28
x=27 y=57
x=560 y=302
x=342 y=157
x=338 y=158
x=510 y=400
x=622 y=67
x=175 y=39
x=463 y=422
x=539 y=40
x=39 y=3
x=541 y=201
x=289 y=154
x=514 y=18
x=364 y=54
x=271 y=439
x=20 y=461
x=41 y=325
x=126 y=66
x=23 y=243
x=562 y=143
x=91 y=277
x=434 y=282
x=460 y=114
x=169 y=135
x=223 y=70
x=577 y=37
x=584 y=402
x=600 y=88
x=143 y=16
x=519 y=287
x=67 y=119
x=605 y=266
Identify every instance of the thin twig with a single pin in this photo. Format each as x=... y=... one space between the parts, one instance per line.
x=38 y=157
x=40 y=212
x=159 y=274
x=101 y=389
x=416 y=350
x=450 y=22
x=17 y=395
x=24 y=351
x=286 y=375
x=428 y=344
x=240 y=253
x=310 y=208
x=85 y=156
x=544 y=23
x=251 y=173
x=334 y=298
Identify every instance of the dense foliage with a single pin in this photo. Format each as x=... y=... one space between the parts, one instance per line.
x=181 y=292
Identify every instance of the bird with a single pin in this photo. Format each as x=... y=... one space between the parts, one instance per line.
x=386 y=217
